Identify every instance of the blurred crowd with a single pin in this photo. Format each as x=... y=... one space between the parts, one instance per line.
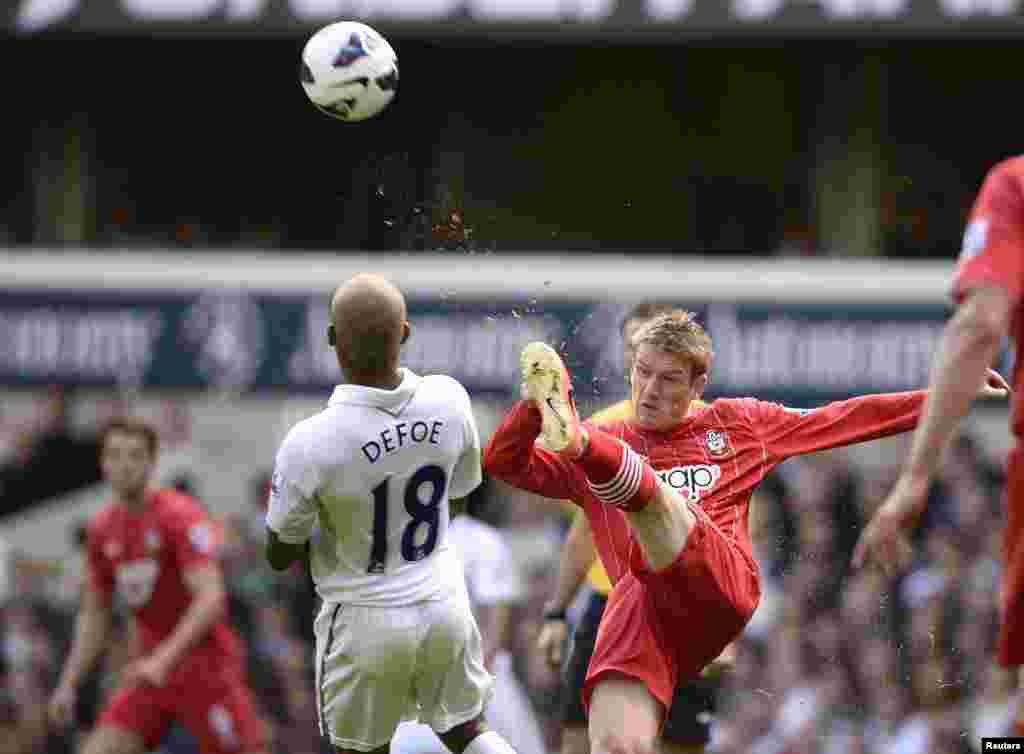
x=834 y=661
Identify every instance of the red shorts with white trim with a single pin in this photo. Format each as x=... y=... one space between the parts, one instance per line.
x=663 y=627
x=215 y=706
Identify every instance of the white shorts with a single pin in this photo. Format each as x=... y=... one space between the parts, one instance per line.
x=378 y=666
x=509 y=714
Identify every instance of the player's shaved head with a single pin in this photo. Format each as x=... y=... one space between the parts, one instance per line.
x=368 y=326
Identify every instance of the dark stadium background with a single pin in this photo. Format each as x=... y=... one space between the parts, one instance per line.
x=604 y=143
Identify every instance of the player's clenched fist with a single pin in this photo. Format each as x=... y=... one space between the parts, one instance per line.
x=551 y=640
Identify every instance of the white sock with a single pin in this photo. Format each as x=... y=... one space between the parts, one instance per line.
x=489 y=742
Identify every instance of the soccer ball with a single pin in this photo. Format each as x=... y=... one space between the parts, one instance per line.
x=349 y=71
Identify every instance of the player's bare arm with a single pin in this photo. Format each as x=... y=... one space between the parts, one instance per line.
x=578 y=555
x=969 y=344
x=92 y=630
x=280 y=554
x=209 y=604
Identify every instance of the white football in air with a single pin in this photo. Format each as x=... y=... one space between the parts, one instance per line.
x=349 y=71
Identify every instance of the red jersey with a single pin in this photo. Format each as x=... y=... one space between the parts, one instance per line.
x=993 y=254
x=714 y=458
x=144 y=557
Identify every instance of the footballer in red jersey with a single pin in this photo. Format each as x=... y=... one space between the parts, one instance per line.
x=667 y=495
x=988 y=287
x=154 y=549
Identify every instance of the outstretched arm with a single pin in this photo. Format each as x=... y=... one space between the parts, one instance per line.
x=578 y=555
x=512 y=456
x=969 y=344
x=789 y=432
x=989 y=285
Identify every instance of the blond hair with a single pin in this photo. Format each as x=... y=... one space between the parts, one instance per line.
x=678 y=332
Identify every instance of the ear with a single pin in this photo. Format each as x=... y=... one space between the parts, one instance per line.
x=406 y=332
x=699 y=384
x=331 y=339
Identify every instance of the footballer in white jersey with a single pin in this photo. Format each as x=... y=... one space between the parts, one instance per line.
x=376 y=469
x=372 y=475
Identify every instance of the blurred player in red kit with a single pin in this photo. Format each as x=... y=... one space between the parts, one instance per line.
x=988 y=287
x=667 y=493
x=155 y=549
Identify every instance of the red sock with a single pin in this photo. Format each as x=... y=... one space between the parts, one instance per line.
x=616 y=474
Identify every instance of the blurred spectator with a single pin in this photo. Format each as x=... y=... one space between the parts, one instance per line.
x=173 y=424
x=48 y=457
x=992 y=711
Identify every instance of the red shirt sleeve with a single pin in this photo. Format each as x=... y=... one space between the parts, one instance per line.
x=993 y=246
x=192 y=535
x=512 y=456
x=788 y=432
x=101 y=574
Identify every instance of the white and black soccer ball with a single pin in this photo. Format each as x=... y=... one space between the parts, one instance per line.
x=349 y=71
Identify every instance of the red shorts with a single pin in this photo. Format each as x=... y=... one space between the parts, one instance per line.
x=215 y=706
x=1011 y=598
x=663 y=627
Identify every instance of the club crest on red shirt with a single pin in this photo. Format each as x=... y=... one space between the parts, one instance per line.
x=718 y=443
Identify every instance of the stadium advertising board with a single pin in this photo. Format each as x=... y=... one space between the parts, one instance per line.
x=679 y=18
x=804 y=353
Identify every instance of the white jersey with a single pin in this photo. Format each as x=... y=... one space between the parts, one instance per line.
x=375 y=470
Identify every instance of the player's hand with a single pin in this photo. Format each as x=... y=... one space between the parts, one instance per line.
x=151 y=670
x=61 y=709
x=994 y=386
x=886 y=538
x=551 y=640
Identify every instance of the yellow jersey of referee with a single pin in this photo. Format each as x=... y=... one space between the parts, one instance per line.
x=620 y=411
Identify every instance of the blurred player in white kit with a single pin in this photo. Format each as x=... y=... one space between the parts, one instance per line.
x=495 y=585
x=373 y=473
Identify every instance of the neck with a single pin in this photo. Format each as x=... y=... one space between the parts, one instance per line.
x=133 y=502
x=387 y=380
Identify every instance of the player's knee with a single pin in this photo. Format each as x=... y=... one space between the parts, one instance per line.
x=622 y=742
x=461 y=736
x=670 y=502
